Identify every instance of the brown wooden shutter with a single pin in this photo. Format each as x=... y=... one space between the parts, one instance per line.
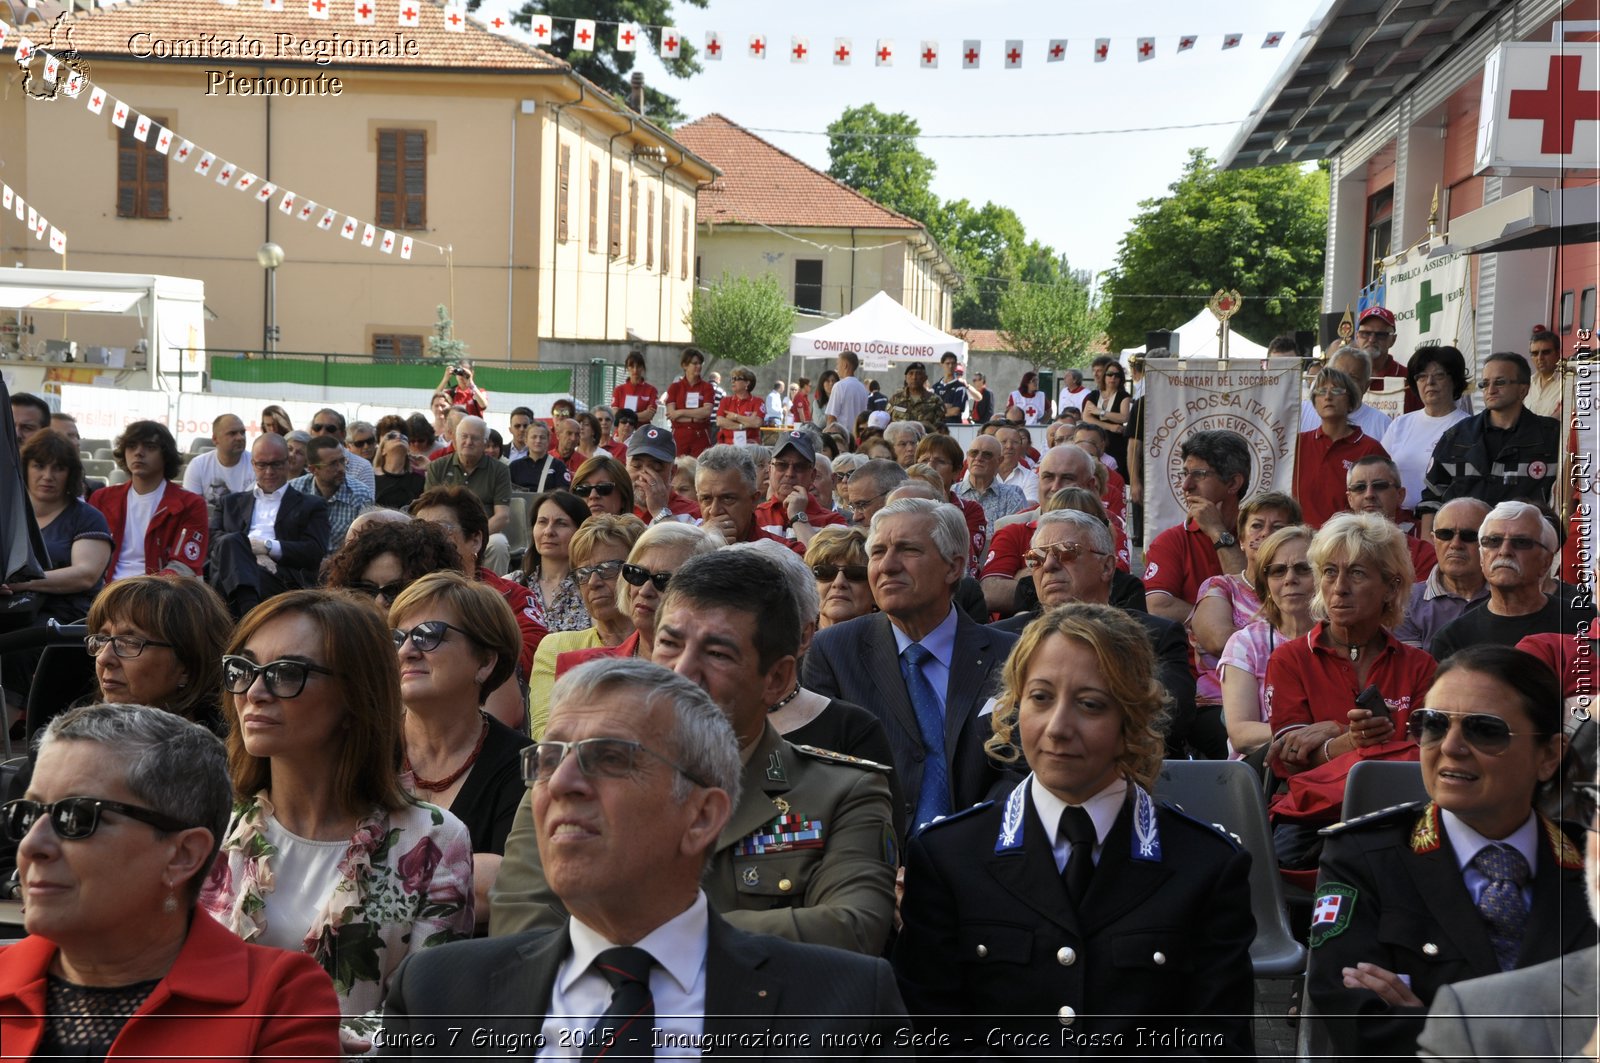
x=633 y=219
x=403 y=178
x=650 y=228
x=614 y=217
x=594 y=204
x=666 y=234
x=683 y=249
x=563 y=181
x=141 y=175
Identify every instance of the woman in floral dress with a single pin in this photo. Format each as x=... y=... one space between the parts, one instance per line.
x=325 y=853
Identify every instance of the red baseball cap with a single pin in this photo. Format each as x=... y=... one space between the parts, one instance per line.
x=1381 y=313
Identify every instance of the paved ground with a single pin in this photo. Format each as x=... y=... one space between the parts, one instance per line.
x=1274 y=1036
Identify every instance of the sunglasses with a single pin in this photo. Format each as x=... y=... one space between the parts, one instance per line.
x=387 y=591
x=75 y=818
x=1062 y=552
x=125 y=646
x=1279 y=570
x=638 y=576
x=827 y=573
x=603 y=490
x=285 y=679
x=324 y=429
x=1444 y=535
x=1361 y=487
x=605 y=758
x=1519 y=543
x=370 y=441
x=607 y=570
x=426 y=636
x=1484 y=732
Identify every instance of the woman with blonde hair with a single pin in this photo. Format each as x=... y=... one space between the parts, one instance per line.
x=326 y=853
x=1284 y=582
x=837 y=557
x=1078 y=897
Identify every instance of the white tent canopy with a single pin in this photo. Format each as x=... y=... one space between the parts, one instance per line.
x=878 y=330
x=1198 y=339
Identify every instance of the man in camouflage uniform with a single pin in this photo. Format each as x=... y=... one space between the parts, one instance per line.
x=916 y=401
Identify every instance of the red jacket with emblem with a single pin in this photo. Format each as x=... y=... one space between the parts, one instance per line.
x=179 y=532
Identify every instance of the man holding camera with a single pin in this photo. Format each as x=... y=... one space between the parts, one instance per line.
x=463 y=390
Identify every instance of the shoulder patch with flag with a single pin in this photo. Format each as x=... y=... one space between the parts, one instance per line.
x=1330 y=915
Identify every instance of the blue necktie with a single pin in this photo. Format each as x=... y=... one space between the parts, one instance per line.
x=1501 y=902
x=933 y=799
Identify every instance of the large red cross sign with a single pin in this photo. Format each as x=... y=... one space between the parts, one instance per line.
x=1560 y=105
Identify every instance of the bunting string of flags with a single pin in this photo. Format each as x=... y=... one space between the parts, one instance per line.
x=206 y=164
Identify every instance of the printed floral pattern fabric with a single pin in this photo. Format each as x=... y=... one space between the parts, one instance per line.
x=566 y=612
x=404 y=884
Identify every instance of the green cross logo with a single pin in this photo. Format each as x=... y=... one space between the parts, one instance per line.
x=1428 y=305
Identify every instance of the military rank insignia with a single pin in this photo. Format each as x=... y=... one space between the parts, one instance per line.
x=791 y=831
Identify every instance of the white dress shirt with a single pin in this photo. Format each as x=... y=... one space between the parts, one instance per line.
x=1103 y=809
x=264 y=519
x=1025 y=479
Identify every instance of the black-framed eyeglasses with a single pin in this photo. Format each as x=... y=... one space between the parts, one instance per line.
x=1483 y=731
x=1519 y=543
x=598 y=758
x=125 y=646
x=324 y=429
x=861 y=507
x=638 y=576
x=426 y=636
x=606 y=570
x=1444 y=535
x=604 y=490
x=387 y=591
x=285 y=678
x=1280 y=569
x=827 y=573
x=269 y=464
x=75 y=818
x=1361 y=487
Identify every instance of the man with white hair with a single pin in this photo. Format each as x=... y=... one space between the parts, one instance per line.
x=1358 y=364
x=469 y=466
x=1456 y=582
x=1515 y=547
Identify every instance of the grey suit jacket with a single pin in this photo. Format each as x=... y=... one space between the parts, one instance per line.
x=1543 y=1012
x=756 y=986
x=859 y=661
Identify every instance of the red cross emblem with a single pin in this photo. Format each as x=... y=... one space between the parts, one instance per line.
x=99 y=100
x=455 y=18
x=409 y=13
x=883 y=55
x=364 y=11
x=1560 y=105
x=842 y=54
x=183 y=153
x=164 y=141
x=1146 y=48
x=24 y=52
x=498 y=23
x=244 y=182
x=583 y=36
x=227 y=173
x=1102 y=50
x=205 y=164
x=799 y=51
x=1230 y=41
x=757 y=45
x=714 y=46
x=627 y=36
x=388 y=241
x=319 y=5
x=1013 y=56
x=349 y=228
x=121 y=114
x=1056 y=52
x=971 y=56
x=671 y=44
x=1185 y=43
x=539 y=30
x=929 y=56
x=1273 y=38
x=305 y=211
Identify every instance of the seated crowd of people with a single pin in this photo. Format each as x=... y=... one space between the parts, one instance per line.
x=866 y=729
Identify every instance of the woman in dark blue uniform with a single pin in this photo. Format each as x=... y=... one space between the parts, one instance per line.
x=1077 y=915
x=1469 y=883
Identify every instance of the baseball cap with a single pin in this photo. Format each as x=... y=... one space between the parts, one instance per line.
x=798 y=441
x=653 y=442
x=1381 y=313
x=878 y=419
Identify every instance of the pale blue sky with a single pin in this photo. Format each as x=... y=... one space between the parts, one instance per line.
x=1077 y=193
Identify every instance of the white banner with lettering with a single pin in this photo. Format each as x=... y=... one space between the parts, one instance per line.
x=1429 y=299
x=1259 y=399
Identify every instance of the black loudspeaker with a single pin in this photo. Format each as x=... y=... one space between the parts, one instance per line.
x=1305 y=340
x=1162 y=337
x=1329 y=334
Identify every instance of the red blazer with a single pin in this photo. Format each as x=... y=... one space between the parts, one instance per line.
x=179 y=531
x=567 y=661
x=222 y=1000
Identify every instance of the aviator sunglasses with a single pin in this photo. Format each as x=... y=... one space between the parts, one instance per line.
x=1483 y=731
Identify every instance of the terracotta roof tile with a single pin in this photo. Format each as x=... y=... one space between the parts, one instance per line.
x=764 y=184
x=205 y=26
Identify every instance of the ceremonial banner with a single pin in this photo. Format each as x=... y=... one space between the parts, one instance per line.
x=1430 y=302
x=1181 y=398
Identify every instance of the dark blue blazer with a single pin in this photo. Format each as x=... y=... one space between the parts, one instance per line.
x=301 y=529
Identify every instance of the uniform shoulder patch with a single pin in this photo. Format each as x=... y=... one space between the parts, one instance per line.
x=1330 y=915
x=1381 y=815
x=1218 y=829
x=954 y=816
x=828 y=755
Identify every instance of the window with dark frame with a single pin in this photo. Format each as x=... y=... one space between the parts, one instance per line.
x=614 y=218
x=563 y=187
x=808 y=285
x=1586 y=309
x=403 y=178
x=1564 y=316
x=396 y=347
x=594 y=204
x=650 y=228
x=1380 y=232
x=633 y=219
x=141 y=175
x=683 y=252
x=666 y=234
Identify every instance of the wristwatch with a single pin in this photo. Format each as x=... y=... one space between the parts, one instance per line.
x=798 y=518
x=1225 y=540
x=664 y=513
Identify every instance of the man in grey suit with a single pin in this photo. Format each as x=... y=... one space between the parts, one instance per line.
x=1548 y=1011
x=630 y=788
x=924 y=666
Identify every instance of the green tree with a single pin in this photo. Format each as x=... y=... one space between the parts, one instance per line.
x=604 y=65
x=443 y=346
x=990 y=247
x=876 y=154
x=744 y=319
x=1052 y=325
x=1260 y=231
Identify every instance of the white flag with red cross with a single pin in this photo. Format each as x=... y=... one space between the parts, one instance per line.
x=185 y=149
x=405 y=247
x=541 y=29
x=265 y=191
x=97 y=101
x=1186 y=42
x=842 y=51
x=928 y=58
x=583 y=34
x=799 y=49
x=275 y=6
x=1057 y=51
x=757 y=46
x=58 y=241
x=33 y=218
x=19 y=208
x=246 y=182
x=317 y=9
x=326 y=221
x=364 y=13
x=348 y=229
x=455 y=18
x=1013 y=55
x=1273 y=39
x=163 y=139
x=40 y=224
x=5 y=31
x=207 y=161
x=713 y=45
x=286 y=204
x=5 y=196
x=388 y=242
x=671 y=43
x=141 y=129
x=306 y=210
x=1102 y=48
x=24 y=51
x=51 y=65
x=498 y=24
x=1146 y=49
x=627 y=37
x=1231 y=40
x=75 y=83
x=971 y=54
x=119 y=115
x=883 y=54
x=409 y=14
x=368 y=235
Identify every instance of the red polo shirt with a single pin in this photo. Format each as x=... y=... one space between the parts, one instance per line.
x=1179 y=560
x=1310 y=683
x=691 y=437
x=1423 y=558
x=1322 y=468
x=741 y=406
x=772 y=516
x=644 y=396
x=685 y=509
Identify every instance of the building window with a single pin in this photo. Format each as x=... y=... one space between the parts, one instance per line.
x=1380 y=232
x=698 y=275
x=808 y=285
x=666 y=234
x=683 y=251
x=1564 y=316
x=396 y=347
x=614 y=218
x=650 y=228
x=403 y=178
x=1586 y=309
x=594 y=204
x=633 y=219
x=563 y=187
x=141 y=175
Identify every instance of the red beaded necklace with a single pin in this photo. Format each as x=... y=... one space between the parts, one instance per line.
x=450 y=780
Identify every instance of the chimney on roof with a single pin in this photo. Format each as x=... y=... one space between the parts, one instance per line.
x=636 y=91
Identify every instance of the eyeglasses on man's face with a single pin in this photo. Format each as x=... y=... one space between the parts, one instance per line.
x=1519 y=543
x=324 y=428
x=598 y=758
x=285 y=678
x=1063 y=553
